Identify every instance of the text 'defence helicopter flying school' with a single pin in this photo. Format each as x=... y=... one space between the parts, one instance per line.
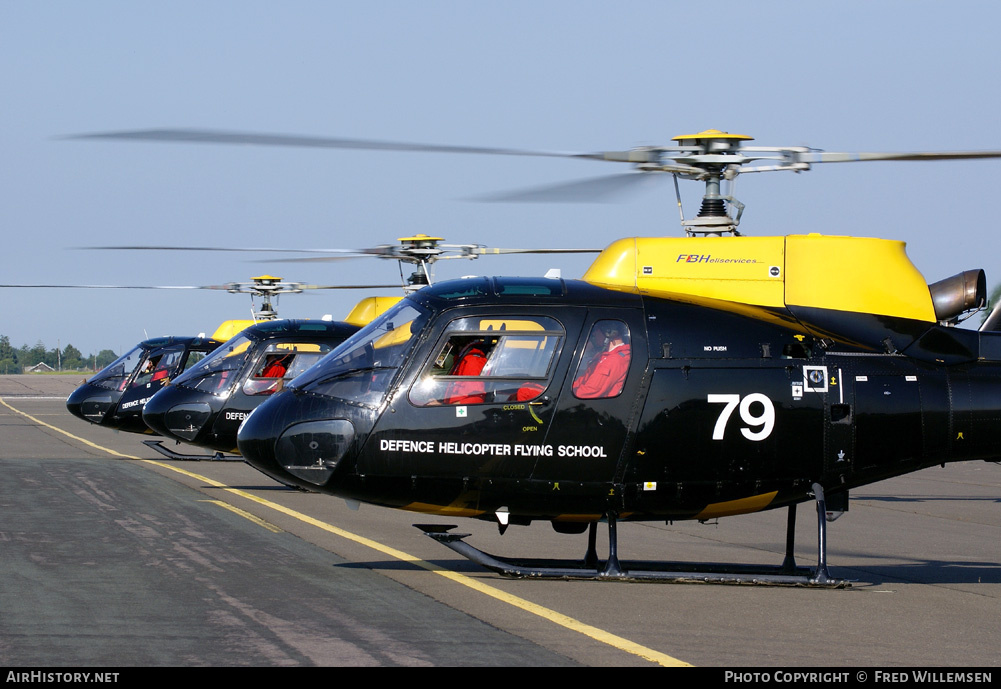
x=681 y=378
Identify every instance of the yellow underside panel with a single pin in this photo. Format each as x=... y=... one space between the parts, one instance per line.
x=854 y=274
x=755 y=503
x=442 y=510
x=578 y=518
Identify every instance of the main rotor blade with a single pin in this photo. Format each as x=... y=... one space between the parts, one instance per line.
x=463 y=252
x=111 y=286
x=391 y=251
x=648 y=154
x=226 y=287
x=595 y=190
x=483 y=250
x=361 y=252
x=825 y=157
x=290 y=140
x=396 y=286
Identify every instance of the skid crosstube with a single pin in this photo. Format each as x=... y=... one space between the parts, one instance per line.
x=786 y=574
x=665 y=572
x=170 y=454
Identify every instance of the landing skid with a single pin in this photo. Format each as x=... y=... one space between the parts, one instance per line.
x=170 y=454
x=786 y=574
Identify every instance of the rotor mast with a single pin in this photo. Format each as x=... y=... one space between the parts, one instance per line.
x=266 y=287
x=421 y=250
x=714 y=152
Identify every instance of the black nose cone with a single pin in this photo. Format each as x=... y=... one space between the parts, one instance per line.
x=92 y=403
x=294 y=439
x=178 y=413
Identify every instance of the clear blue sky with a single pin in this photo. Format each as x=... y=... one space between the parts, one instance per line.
x=570 y=75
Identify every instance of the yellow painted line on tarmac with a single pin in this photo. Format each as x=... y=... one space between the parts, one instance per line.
x=556 y=618
x=264 y=524
x=551 y=615
x=66 y=433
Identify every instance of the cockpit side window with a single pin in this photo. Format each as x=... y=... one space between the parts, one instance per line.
x=283 y=361
x=605 y=363
x=160 y=365
x=490 y=360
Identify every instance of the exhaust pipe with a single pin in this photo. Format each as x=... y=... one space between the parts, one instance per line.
x=962 y=292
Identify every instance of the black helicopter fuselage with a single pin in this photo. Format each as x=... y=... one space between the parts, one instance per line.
x=205 y=406
x=115 y=396
x=719 y=413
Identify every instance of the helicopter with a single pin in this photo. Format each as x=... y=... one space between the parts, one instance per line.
x=688 y=378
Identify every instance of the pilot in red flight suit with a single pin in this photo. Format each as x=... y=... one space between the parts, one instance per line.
x=470 y=362
x=606 y=373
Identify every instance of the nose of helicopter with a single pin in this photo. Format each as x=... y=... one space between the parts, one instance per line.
x=92 y=403
x=296 y=441
x=177 y=413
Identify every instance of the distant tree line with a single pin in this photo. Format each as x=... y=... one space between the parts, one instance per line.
x=69 y=358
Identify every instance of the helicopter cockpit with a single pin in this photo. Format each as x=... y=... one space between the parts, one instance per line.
x=515 y=354
x=149 y=362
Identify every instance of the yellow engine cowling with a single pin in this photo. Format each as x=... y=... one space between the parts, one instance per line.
x=855 y=274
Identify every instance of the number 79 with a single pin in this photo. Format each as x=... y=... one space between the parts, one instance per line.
x=764 y=422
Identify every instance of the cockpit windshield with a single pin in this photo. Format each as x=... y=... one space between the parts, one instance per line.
x=115 y=376
x=216 y=372
x=363 y=367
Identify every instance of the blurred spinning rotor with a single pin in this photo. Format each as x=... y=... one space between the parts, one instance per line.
x=710 y=156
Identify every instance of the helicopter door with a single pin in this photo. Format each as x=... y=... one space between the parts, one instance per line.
x=159 y=366
x=481 y=401
x=599 y=400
